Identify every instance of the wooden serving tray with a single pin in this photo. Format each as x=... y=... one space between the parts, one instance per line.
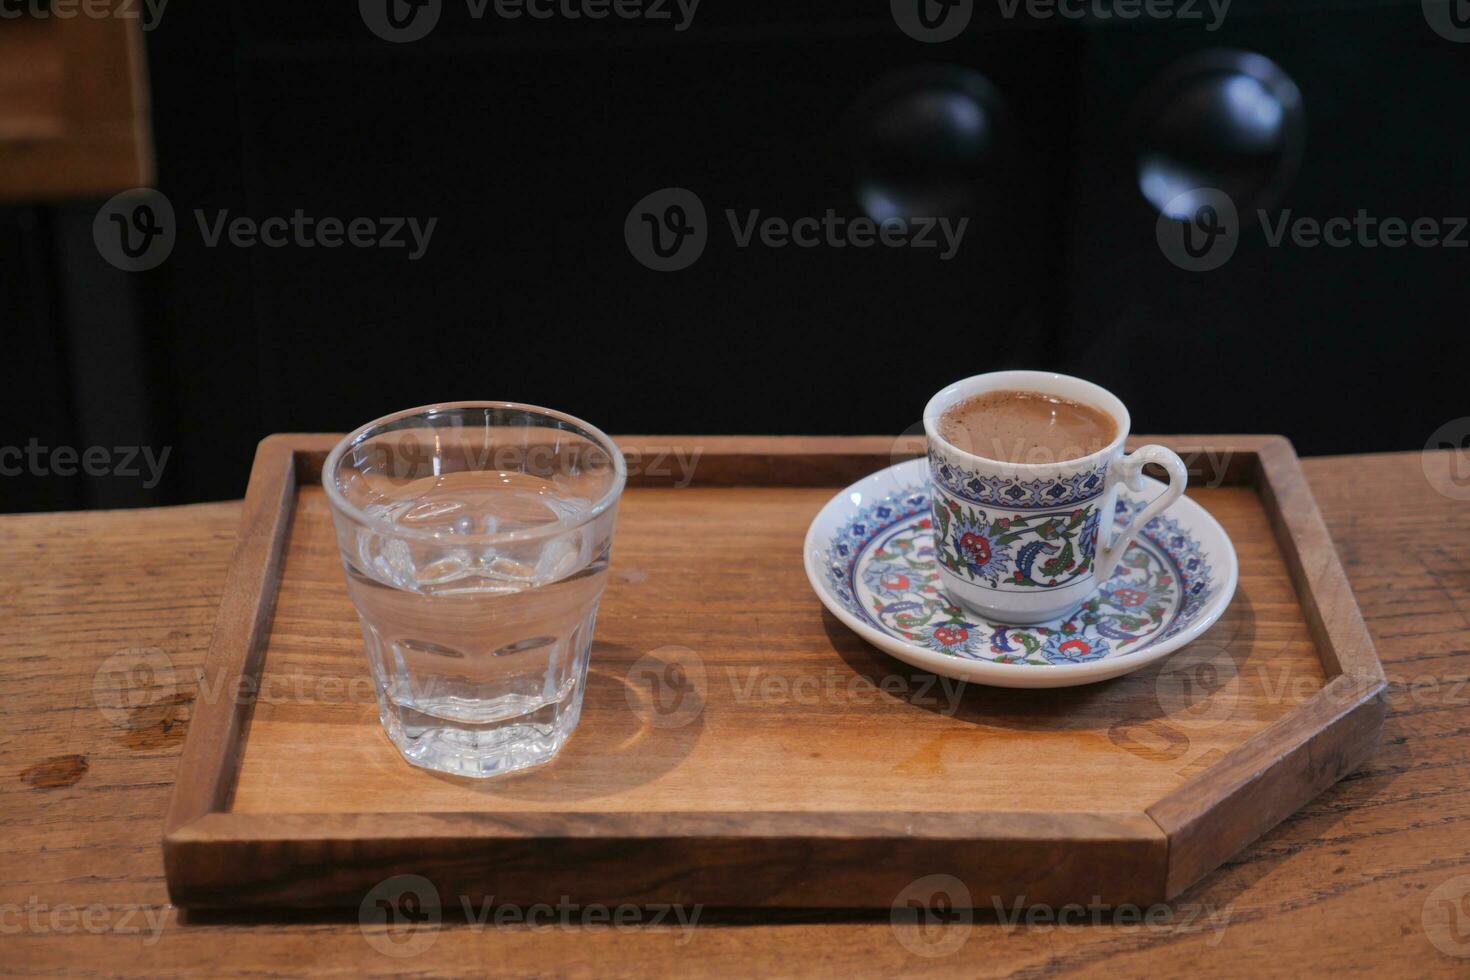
x=814 y=770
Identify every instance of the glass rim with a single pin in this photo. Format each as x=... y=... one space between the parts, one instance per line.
x=342 y=505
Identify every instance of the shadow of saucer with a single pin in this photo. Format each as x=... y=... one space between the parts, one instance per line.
x=642 y=714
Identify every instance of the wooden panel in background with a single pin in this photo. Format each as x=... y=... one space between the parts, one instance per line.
x=73 y=104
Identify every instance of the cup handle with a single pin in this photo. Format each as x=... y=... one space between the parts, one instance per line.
x=1129 y=469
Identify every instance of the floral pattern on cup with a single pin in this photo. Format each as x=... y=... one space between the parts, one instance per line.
x=1014 y=493
x=1038 y=550
x=883 y=566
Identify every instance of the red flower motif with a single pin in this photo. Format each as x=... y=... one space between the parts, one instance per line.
x=1075 y=648
x=895 y=583
x=1003 y=523
x=950 y=635
x=926 y=523
x=1129 y=597
x=975 y=547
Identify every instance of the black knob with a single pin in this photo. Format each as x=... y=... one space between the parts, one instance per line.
x=922 y=140
x=1229 y=120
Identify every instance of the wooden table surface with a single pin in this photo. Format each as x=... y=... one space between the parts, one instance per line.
x=1373 y=877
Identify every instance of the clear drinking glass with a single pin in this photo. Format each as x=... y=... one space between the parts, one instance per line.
x=476 y=537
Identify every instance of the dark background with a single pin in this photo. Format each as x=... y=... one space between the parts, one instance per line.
x=530 y=141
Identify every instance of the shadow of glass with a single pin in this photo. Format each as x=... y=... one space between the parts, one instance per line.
x=642 y=714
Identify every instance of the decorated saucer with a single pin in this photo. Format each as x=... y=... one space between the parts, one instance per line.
x=870 y=557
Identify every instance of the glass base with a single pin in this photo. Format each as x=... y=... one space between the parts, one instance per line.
x=482 y=751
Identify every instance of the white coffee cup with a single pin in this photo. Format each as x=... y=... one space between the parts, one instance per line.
x=1025 y=543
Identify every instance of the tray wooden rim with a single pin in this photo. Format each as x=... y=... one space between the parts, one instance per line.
x=1171 y=844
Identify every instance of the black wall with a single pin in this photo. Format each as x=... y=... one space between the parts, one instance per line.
x=530 y=142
